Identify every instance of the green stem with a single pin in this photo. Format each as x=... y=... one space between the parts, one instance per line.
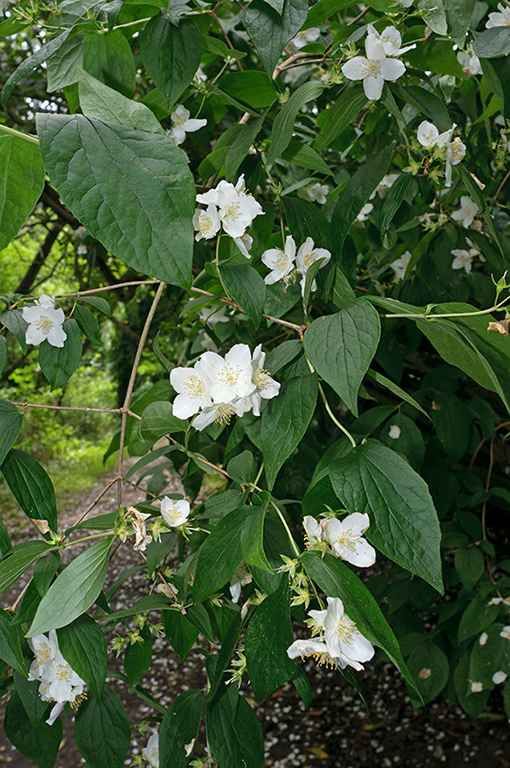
x=19 y=134
x=284 y=523
x=103 y=534
x=129 y=24
x=424 y=316
x=259 y=473
x=334 y=419
x=217 y=261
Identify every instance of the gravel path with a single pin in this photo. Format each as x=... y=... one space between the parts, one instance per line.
x=336 y=732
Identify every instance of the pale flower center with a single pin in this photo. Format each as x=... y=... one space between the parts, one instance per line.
x=345 y=629
x=64 y=672
x=194 y=387
x=223 y=414
x=232 y=211
x=308 y=259
x=178 y=120
x=173 y=513
x=229 y=375
x=44 y=324
x=457 y=149
x=372 y=68
x=348 y=540
x=42 y=655
x=204 y=223
x=429 y=137
x=261 y=378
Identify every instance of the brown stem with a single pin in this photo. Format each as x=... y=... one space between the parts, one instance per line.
x=26 y=405
x=97 y=499
x=500 y=187
x=131 y=383
x=227 y=39
x=42 y=254
x=90 y=291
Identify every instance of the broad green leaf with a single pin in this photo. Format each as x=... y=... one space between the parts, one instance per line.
x=341 y=347
x=393 y=201
x=98 y=303
x=253 y=86
x=284 y=422
x=489 y=658
x=239 y=148
x=18 y=560
x=357 y=192
x=427 y=103
x=10 y=648
x=246 y=287
x=42 y=55
x=476 y=618
x=270 y=31
x=336 y=579
x=31 y=486
x=40 y=743
x=158 y=420
x=398 y=391
x=235 y=741
x=82 y=644
x=98 y=100
x=59 y=363
x=148 y=459
x=306 y=157
x=158 y=550
x=180 y=632
x=268 y=636
x=102 y=731
x=492 y=42
x=429 y=666
x=282 y=354
x=458 y=16
x=88 y=323
x=473 y=704
x=138 y=657
x=11 y=422
x=82 y=581
x=403 y=520
x=436 y=56
x=219 y=555
x=109 y=58
x=22 y=174
x=242 y=467
x=179 y=727
x=452 y=422
x=12 y=319
x=62 y=66
x=217 y=666
x=346 y=107
x=171 y=55
x=409 y=442
x=470 y=565
x=28 y=691
x=276 y=4
x=284 y=125
x=252 y=537
x=323 y=10
x=45 y=570
x=133 y=191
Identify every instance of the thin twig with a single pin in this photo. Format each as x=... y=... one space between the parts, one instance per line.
x=97 y=499
x=90 y=291
x=26 y=405
x=500 y=187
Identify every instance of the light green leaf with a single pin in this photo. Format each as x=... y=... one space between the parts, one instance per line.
x=82 y=644
x=246 y=288
x=234 y=741
x=492 y=42
x=74 y=590
x=109 y=58
x=59 y=363
x=11 y=422
x=31 y=486
x=149 y=224
x=270 y=31
x=88 y=324
x=253 y=86
x=284 y=125
x=18 y=560
x=102 y=731
x=62 y=66
x=22 y=175
x=252 y=536
x=306 y=157
x=341 y=347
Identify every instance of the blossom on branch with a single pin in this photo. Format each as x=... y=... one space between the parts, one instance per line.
x=375 y=68
x=467 y=211
x=501 y=19
x=183 y=124
x=234 y=206
x=429 y=136
x=343 y=537
x=285 y=265
x=174 y=512
x=44 y=322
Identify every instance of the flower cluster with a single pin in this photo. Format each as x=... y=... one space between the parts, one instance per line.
x=44 y=322
x=380 y=63
x=59 y=681
x=217 y=387
x=286 y=264
x=428 y=136
x=343 y=537
x=230 y=207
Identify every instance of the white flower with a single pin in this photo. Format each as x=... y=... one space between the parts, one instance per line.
x=391 y=40
x=316 y=193
x=467 y=211
x=313 y=532
x=221 y=414
x=474 y=67
x=137 y=520
x=183 y=124
x=365 y=212
x=464 y=259
x=505 y=633
x=200 y=76
x=192 y=390
x=501 y=19
x=483 y=638
x=173 y=512
x=384 y=186
x=499 y=677
x=304 y=38
x=241 y=577
x=394 y=432
x=82 y=250
x=207 y=223
x=399 y=266
x=346 y=541
x=498 y=600
x=373 y=69
x=281 y=263
x=266 y=387
x=306 y=256
x=244 y=243
x=455 y=153
x=44 y=322
x=237 y=208
x=151 y=751
x=229 y=377
x=340 y=643
x=476 y=687
x=427 y=134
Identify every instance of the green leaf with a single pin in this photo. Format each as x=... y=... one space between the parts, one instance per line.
x=179 y=727
x=45 y=570
x=98 y=303
x=59 y=363
x=40 y=743
x=238 y=150
x=158 y=550
x=337 y=580
x=426 y=102
x=31 y=63
x=304 y=220
x=252 y=536
x=284 y=422
x=357 y=192
x=13 y=321
x=242 y=467
x=398 y=391
x=10 y=648
x=3 y=354
x=470 y=565
x=254 y=87
x=138 y=657
x=341 y=347
x=31 y=486
x=492 y=42
x=102 y=731
x=284 y=125
x=158 y=420
x=472 y=703
x=18 y=560
x=429 y=666
x=436 y=56
x=276 y=4
x=235 y=741
x=11 y=422
x=282 y=354
x=88 y=324
x=458 y=16
x=22 y=174
x=246 y=287
x=62 y=66
x=148 y=459
x=171 y=55
x=219 y=555
x=268 y=636
x=476 y=618
x=393 y=201
x=108 y=58
x=403 y=520
x=82 y=644
x=149 y=227
x=270 y=31
x=306 y=157
x=180 y=632
x=28 y=691
x=98 y=100
x=341 y=114
x=323 y=10
x=489 y=658
x=5 y=542
x=82 y=580
x=217 y=665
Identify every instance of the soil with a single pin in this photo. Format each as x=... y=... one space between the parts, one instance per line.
x=336 y=732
